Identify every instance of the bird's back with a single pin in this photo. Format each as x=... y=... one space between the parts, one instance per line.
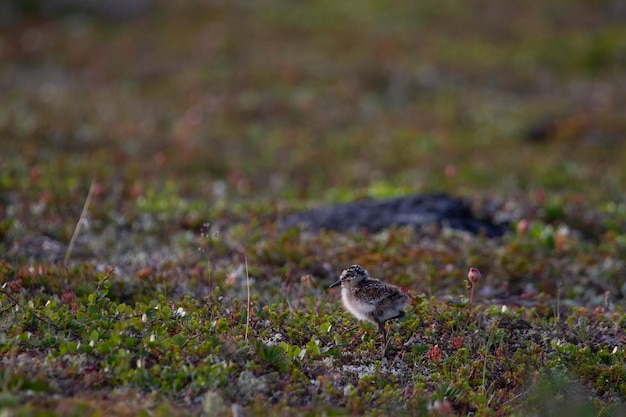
x=372 y=291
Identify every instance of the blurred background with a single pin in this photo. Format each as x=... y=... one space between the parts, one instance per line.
x=316 y=100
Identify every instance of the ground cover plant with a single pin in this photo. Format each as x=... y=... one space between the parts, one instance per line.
x=146 y=165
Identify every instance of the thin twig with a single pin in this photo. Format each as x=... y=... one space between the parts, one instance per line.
x=515 y=398
x=557 y=308
x=16 y=302
x=349 y=329
x=189 y=339
x=81 y=219
x=248 y=286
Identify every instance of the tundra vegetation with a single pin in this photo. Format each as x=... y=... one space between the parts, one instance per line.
x=146 y=164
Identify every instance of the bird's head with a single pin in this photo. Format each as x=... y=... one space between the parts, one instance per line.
x=351 y=276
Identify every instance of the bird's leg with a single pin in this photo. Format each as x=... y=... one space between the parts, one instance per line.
x=381 y=329
x=401 y=314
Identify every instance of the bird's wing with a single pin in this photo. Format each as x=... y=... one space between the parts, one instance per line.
x=374 y=293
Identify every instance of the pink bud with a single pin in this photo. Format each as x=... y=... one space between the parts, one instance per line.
x=522 y=227
x=450 y=171
x=474 y=275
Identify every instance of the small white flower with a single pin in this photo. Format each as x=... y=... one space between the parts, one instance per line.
x=504 y=309
x=139 y=364
x=92 y=343
x=302 y=354
x=180 y=312
x=614 y=350
x=144 y=318
x=47 y=303
x=152 y=338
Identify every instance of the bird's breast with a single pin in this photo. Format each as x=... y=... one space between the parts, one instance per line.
x=355 y=306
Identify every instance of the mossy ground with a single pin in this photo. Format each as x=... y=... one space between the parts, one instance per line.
x=201 y=124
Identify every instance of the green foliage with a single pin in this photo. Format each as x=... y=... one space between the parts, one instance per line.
x=187 y=348
x=274 y=356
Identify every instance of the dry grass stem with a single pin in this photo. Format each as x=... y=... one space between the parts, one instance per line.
x=79 y=224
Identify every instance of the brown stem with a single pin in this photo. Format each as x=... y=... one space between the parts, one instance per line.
x=471 y=300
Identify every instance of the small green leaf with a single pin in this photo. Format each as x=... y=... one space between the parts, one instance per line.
x=71 y=347
x=326 y=326
x=103 y=347
x=85 y=348
x=313 y=347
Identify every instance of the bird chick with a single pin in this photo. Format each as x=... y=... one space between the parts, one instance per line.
x=370 y=299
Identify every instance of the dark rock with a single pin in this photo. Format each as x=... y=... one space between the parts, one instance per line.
x=414 y=211
x=12 y=11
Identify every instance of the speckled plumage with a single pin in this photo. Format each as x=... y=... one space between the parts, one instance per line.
x=370 y=299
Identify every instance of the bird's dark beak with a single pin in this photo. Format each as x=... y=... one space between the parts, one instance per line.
x=336 y=283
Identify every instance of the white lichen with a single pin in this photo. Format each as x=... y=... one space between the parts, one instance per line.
x=248 y=386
